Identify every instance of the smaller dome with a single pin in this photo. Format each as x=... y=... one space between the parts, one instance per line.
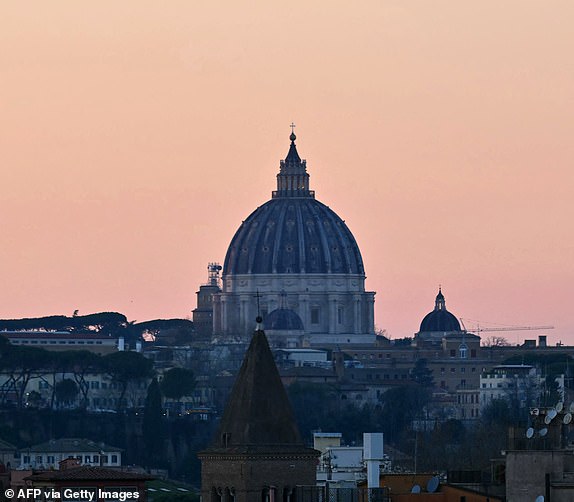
x=283 y=320
x=440 y=319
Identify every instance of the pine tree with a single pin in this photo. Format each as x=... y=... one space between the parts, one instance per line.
x=153 y=426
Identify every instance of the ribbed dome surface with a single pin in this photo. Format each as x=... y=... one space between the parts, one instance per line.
x=440 y=320
x=293 y=235
x=283 y=319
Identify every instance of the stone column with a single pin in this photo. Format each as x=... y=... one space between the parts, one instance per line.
x=244 y=313
x=304 y=312
x=371 y=313
x=333 y=314
x=224 y=313
x=357 y=314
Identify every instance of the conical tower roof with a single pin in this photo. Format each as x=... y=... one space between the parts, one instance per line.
x=258 y=413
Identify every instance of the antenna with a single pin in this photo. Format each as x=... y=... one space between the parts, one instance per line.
x=213 y=270
x=432 y=485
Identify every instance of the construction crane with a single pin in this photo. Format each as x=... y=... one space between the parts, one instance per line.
x=504 y=328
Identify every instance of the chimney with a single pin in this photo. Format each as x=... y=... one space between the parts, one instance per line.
x=542 y=340
x=372 y=455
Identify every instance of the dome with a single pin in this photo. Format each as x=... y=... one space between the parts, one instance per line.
x=293 y=233
x=283 y=319
x=440 y=319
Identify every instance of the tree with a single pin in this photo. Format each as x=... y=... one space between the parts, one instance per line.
x=20 y=364
x=81 y=363
x=66 y=391
x=126 y=367
x=422 y=374
x=495 y=341
x=177 y=382
x=401 y=405
x=152 y=426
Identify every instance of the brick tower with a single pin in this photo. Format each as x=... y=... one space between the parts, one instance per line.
x=257 y=454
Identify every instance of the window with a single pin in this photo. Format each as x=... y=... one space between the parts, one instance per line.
x=463 y=369
x=38 y=459
x=340 y=315
x=50 y=459
x=104 y=459
x=452 y=353
x=95 y=385
x=114 y=459
x=452 y=370
x=87 y=459
x=442 y=371
x=315 y=315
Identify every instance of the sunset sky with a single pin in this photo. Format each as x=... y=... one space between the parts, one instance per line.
x=135 y=136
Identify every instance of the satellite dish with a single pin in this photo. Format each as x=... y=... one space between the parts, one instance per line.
x=432 y=485
x=552 y=414
x=529 y=432
x=543 y=432
x=559 y=406
x=567 y=418
x=547 y=419
x=416 y=489
x=571 y=407
x=535 y=411
x=540 y=498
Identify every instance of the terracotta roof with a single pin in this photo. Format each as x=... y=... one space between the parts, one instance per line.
x=88 y=473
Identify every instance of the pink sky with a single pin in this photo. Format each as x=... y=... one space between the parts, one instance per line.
x=135 y=136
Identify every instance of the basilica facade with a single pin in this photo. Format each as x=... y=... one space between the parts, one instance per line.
x=295 y=262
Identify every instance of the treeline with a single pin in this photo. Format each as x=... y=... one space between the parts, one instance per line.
x=19 y=365
x=108 y=323
x=450 y=444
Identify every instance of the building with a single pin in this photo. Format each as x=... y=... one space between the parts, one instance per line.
x=518 y=383
x=63 y=340
x=295 y=253
x=49 y=455
x=203 y=313
x=72 y=480
x=258 y=453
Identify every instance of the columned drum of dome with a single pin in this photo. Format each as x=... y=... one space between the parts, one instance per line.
x=294 y=252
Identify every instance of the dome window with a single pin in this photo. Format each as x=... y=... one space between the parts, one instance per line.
x=463 y=351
